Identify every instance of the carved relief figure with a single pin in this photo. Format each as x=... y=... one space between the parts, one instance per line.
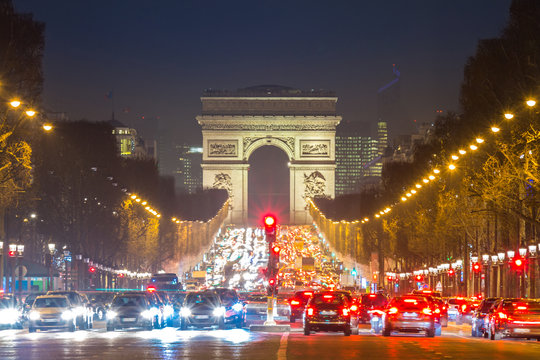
x=314 y=185
x=315 y=148
x=222 y=148
x=223 y=181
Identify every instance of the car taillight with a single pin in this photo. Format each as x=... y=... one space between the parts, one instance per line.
x=463 y=307
x=310 y=311
x=354 y=308
x=427 y=311
x=393 y=310
x=502 y=315
x=437 y=311
x=295 y=302
x=521 y=308
x=345 y=311
x=444 y=307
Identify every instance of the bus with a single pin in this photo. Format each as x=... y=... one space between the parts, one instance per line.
x=165 y=281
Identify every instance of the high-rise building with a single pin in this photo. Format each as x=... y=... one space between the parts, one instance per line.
x=188 y=173
x=129 y=143
x=356 y=155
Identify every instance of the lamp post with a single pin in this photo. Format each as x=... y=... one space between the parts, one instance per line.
x=1 y=266
x=485 y=261
x=500 y=288
x=475 y=288
x=494 y=275
x=50 y=257
x=532 y=271
x=521 y=275
x=511 y=285
x=20 y=254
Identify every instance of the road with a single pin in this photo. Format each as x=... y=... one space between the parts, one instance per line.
x=170 y=343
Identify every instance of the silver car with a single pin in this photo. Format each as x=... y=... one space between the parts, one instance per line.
x=52 y=312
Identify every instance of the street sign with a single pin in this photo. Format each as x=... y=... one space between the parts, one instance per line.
x=22 y=269
x=438 y=287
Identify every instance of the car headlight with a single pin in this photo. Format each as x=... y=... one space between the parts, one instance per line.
x=67 y=315
x=237 y=307
x=111 y=314
x=8 y=316
x=79 y=310
x=147 y=314
x=219 y=311
x=34 y=315
x=168 y=311
x=185 y=312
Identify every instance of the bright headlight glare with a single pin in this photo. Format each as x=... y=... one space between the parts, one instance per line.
x=34 y=315
x=185 y=312
x=237 y=307
x=147 y=314
x=8 y=316
x=219 y=311
x=79 y=310
x=67 y=315
x=168 y=310
x=111 y=314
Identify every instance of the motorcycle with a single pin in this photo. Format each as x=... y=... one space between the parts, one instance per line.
x=376 y=320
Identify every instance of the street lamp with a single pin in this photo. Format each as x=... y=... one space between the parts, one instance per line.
x=52 y=249
x=522 y=252
x=511 y=254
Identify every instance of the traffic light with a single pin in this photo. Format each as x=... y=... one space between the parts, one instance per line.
x=91 y=269
x=270 y=224
x=451 y=272
x=275 y=250
x=476 y=267
x=419 y=278
x=518 y=265
x=12 y=253
x=272 y=287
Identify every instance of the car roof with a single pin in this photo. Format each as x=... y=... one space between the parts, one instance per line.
x=52 y=297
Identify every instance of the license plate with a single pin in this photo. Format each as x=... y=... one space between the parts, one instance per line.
x=201 y=316
x=328 y=312
x=50 y=320
x=409 y=315
x=522 y=331
x=129 y=319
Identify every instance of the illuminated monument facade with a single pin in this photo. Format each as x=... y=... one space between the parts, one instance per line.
x=300 y=123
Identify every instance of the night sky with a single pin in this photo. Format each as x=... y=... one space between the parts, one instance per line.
x=158 y=56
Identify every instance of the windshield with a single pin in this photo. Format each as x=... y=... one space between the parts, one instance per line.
x=405 y=304
x=129 y=301
x=327 y=299
x=71 y=296
x=196 y=298
x=51 y=303
x=486 y=305
x=377 y=300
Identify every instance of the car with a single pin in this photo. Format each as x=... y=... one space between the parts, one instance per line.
x=298 y=303
x=256 y=307
x=515 y=318
x=100 y=301
x=328 y=311
x=409 y=314
x=478 y=327
x=10 y=313
x=81 y=307
x=52 y=312
x=368 y=302
x=27 y=304
x=454 y=304
x=202 y=309
x=177 y=299
x=131 y=310
x=156 y=303
x=234 y=309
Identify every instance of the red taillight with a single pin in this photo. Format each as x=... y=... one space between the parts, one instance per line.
x=345 y=311
x=295 y=302
x=427 y=311
x=354 y=308
x=372 y=295
x=463 y=307
x=410 y=301
x=502 y=315
x=308 y=293
x=328 y=296
x=522 y=308
x=393 y=310
x=437 y=311
x=444 y=307
x=310 y=311
x=151 y=288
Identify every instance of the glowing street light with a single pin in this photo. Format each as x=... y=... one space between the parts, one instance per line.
x=15 y=103
x=531 y=102
x=479 y=140
x=431 y=177
x=455 y=157
x=403 y=198
x=473 y=147
x=47 y=127
x=30 y=113
x=508 y=116
x=452 y=167
x=495 y=129
x=436 y=171
x=462 y=152
x=418 y=186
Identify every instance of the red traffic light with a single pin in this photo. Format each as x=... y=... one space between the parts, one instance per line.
x=419 y=278
x=476 y=267
x=92 y=269
x=451 y=272
x=12 y=253
x=269 y=221
x=151 y=288
x=276 y=249
x=272 y=282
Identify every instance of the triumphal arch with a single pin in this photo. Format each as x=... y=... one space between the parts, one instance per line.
x=301 y=123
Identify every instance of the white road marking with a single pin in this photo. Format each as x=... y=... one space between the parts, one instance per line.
x=282 y=352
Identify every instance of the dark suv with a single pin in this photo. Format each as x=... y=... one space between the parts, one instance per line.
x=328 y=311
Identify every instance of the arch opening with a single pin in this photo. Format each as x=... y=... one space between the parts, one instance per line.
x=268 y=184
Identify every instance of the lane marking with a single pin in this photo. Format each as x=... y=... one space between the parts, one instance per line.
x=282 y=351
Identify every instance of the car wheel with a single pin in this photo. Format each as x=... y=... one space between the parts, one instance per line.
x=307 y=330
x=386 y=331
x=292 y=319
x=31 y=329
x=347 y=331
x=491 y=333
x=100 y=314
x=430 y=332
x=485 y=334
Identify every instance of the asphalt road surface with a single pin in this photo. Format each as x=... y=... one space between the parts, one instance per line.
x=171 y=343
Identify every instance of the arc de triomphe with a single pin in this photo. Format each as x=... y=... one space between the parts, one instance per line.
x=301 y=123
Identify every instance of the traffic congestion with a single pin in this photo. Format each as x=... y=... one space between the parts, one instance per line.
x=233 y=295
